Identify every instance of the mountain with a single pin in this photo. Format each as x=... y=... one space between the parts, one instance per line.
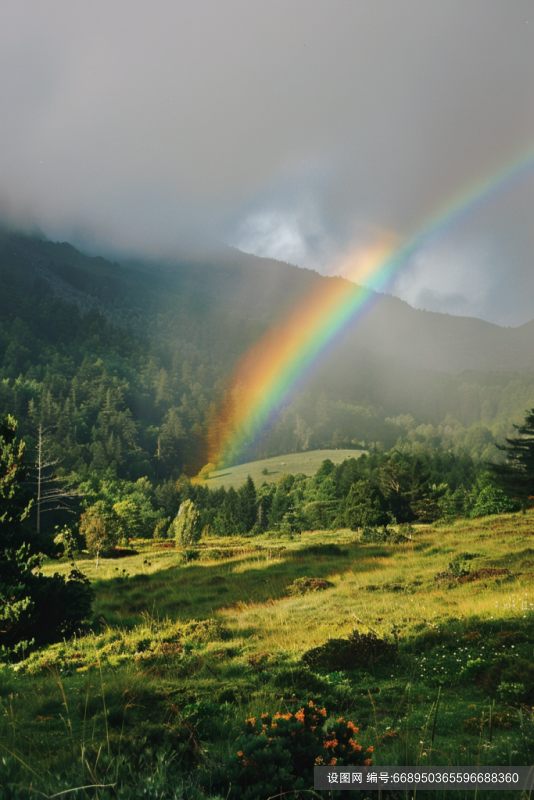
x=261 y=289
x=126 y=362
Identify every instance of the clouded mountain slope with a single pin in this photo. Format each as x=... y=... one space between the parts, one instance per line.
x=250 y=288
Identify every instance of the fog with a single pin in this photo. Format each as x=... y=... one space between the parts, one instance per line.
x=290 y=129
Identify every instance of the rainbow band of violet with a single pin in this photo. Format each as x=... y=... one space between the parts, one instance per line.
x=271 y=368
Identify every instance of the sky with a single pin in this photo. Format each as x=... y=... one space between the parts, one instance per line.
x=295 y=129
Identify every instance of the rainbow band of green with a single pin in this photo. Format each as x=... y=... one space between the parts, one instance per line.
x=356 y=300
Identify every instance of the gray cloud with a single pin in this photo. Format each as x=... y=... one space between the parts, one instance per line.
x=292 y=128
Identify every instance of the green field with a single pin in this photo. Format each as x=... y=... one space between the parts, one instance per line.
x=153 y=701
x=307 y=463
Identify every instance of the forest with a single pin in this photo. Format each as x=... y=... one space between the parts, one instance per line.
x=123 y=376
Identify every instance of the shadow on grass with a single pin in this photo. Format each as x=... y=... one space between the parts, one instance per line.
x=200 y=590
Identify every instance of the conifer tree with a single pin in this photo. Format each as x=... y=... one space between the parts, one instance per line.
x=516 y=476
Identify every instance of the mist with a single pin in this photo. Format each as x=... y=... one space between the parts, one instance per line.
x=289 y=130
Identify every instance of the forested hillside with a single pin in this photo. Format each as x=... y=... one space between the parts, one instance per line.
x=123 y=365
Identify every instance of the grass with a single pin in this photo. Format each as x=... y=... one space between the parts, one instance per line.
x=307 y=463
x=155 y=697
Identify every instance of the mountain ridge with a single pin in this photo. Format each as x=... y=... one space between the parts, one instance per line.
x=264 y=290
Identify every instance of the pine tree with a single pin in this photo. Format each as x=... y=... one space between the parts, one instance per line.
x=516 y=476
x=247 y=504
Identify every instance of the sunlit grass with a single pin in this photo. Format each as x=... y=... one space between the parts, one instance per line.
x=144 y=669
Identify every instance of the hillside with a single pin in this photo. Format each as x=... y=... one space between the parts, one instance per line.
x=259 y=289
x=270 y=470
x=115 y=358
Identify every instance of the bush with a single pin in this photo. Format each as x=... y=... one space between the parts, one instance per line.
x=277 y=754
x=359 y=650
x=491 y=500
x=305 y=585
x=189 y=554
x=382 y=536
x=37 y=610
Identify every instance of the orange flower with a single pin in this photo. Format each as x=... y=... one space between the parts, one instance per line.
x=355 y=746
x=263 y=716
x=333 y=762
x=340 y=719
x=300 y=715
x=310 y=704
x=367 y=762
x=323 y=712
x=319 y=760
x=252 y=720
x=352 y=727
x=239 y=753
x=332 y=743
x=370 y=749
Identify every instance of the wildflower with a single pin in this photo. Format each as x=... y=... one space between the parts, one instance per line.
x=240 y=753
x=332 y=743
x=319 y=760
x=323 y=712
x=370 y=749
x=310 y=704
x=252 y=720
x=357 y=748
x=333 y=762
x=352 y=727
x=367 y=762
x=300 y=715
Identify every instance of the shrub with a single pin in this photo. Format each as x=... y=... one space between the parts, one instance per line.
x=306 y=585
x=189 y=554
x=491 y=500
x=277 y=754
x=36 y=610
x=382 y=536
x=359 y=650
x=323 y=550
x=67 y=540
x=203 y=630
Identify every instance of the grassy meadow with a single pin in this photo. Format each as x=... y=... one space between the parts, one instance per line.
x=153 y=701
x=270 y=470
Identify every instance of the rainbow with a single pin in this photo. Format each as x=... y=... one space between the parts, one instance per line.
x=271 y=368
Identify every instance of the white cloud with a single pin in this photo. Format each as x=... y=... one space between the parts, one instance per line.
x=453 y=279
